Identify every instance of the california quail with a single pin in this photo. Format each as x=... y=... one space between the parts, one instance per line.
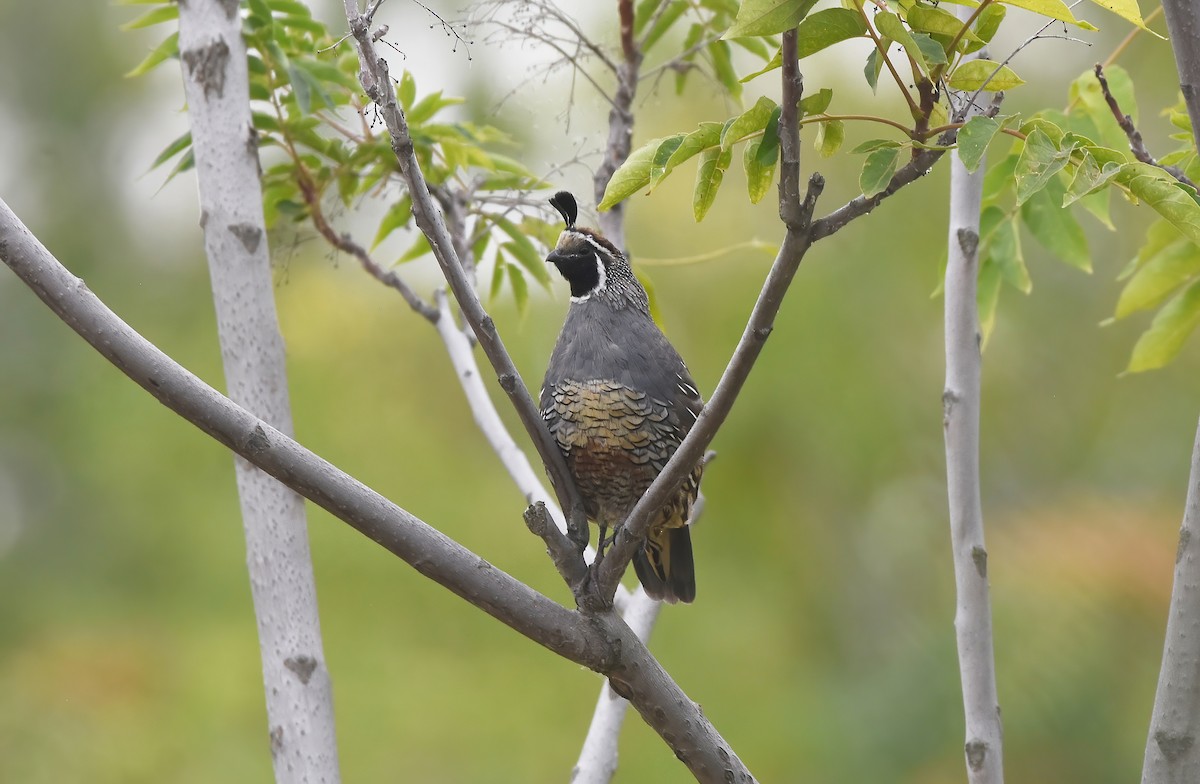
x=618 y=400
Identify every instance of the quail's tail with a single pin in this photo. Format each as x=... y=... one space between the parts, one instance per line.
x=665 y=567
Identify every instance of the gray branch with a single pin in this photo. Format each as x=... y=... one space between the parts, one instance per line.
x=1137 y=145
x=599 y=641
x=299 y=693
x=961 y=408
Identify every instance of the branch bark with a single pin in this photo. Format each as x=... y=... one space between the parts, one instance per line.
x=961 y=406
x=1172 y=753
x=1183 y=26
x=601 y=641
x=1137 y=145
x=299 y=693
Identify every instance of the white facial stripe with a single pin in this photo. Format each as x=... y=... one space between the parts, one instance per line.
x=601 y=274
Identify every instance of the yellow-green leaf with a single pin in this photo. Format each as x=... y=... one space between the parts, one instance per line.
x=759 y=175
x=167 y=49
x=878 y=170
x=1053 y=9
x=984 y=74
x=974 y=138
x=828 y=27
x=768 y=17
x=1127 y=10
x=632 y=176
x=713 y=163
x=890 y=25
x=751 y=121
x=1159 y=275
x=1158 y=345
x=830 y=135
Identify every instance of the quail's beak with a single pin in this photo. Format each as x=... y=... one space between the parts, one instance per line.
x=555 y=257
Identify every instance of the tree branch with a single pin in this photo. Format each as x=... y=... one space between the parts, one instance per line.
x=1136 y=144
x=298 y=689
x=599 y=641
x=378 y=86
x=1183 y=27
x=629 y=536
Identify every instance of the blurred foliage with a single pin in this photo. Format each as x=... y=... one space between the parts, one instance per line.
x=822 y=640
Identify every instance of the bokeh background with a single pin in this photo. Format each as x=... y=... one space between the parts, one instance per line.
x=822 y=641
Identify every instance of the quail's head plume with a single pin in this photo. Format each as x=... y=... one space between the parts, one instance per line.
x=618 y=399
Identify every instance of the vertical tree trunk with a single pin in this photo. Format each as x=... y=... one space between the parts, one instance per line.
x=298 y=690
x=961 y=409
x=1172 y=753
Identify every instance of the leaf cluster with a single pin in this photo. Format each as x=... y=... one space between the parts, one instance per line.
x=1079 y=158
x=319 y=145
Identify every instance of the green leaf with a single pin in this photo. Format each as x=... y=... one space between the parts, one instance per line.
x=878 y=170
x=406 y=92
x=1127 y=10
x=522 y=249
x=874 y=66
x=1089 y=177
x=934 y=53
x=1055 y=228
x=768 y=17
x=974 y=138
x=776 y=61
x=816 y=103
x=664 y=23
x=1159 y=236
x=632 y=176
x=935 y=21
x=643 y=13
x=768 y=151
x=1039 y=162
x=520 y=288
x=1158 y=345
x=829 y=138
x=713 y=163
x=871 y=145
x=751 y=121
x=159 y=54
x=395 y=218
x=828 y=27
x=1053 y=9
x=1003 y=247
x=163 y=13
x=424 y=109
x=173 y=149
x=707 y=135
x=984 y=74
x=497 y=276
x=418 y=249
x=986 y=25
x=722 y=60
x=759 y=176
x=1158 y=276
x=999 y=178
x=987 y=296
x=890 y=25
x=658 y=166
x=1164 y=195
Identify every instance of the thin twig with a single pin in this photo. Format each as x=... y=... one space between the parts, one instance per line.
x=1136 y=144
x=346 y=244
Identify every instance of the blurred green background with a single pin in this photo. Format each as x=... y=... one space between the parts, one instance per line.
x=822 y=641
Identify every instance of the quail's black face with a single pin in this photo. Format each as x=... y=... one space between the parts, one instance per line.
x=581 y=261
